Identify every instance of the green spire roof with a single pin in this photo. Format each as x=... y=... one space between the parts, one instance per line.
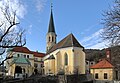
x=51 y=24
x=21 y=60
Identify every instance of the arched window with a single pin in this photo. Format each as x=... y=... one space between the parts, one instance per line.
x=52 y=38
x=66 y=59
x=48 y=39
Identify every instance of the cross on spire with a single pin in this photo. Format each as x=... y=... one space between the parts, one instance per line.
x=51 y=5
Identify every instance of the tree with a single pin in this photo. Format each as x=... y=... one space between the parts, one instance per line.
x=111 y=22
x=10 y=34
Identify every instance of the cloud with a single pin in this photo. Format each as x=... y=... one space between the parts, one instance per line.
x=19 y=7
x=89 y=28
x=40 y=5
x=14 y=5
x=7 y=18
x=94 y=41
x=29 y=29
x=98 y=46
x=94 y=35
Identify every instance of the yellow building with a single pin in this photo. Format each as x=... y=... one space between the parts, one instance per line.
x=23 y=62
x=66 y=56
x=103 y=70
x=38 y=62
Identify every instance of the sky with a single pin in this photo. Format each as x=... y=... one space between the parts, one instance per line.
x=81 y=17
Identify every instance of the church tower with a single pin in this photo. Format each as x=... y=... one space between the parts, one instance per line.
x=51 y=34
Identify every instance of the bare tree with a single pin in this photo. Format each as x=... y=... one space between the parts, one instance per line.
x=111 y=22
x=10 y=34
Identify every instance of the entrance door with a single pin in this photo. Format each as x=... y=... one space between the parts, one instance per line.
x=35 y=71
x=18 y=72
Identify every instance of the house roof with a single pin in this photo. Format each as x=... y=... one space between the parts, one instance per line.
x=102 y=64
x=37 y=54
x=69 y=41
x=26 y=50
x=21 y=49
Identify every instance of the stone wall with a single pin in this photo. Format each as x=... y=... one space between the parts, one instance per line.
x=53 y=79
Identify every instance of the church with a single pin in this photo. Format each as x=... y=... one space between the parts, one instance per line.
x=65 y=57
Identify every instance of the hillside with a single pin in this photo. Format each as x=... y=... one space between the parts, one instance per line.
x=96 y=54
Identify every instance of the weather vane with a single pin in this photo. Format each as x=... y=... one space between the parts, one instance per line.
x=51 y=4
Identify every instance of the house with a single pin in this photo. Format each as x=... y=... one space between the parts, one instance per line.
x=23 y=62
x=103 y=70
x=38 y=62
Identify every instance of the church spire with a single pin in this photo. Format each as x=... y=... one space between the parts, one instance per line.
x=51 y=34
x=51 y=22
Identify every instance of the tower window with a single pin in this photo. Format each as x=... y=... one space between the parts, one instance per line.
x=66 y=59
x=52 y=39
x=49 y=39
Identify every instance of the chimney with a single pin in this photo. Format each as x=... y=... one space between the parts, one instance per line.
x=108 y=54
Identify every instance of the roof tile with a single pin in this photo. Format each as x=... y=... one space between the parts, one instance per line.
x=37 y=54
x=26 y=50
x=21 y=60
x=102 y=64
x=21 y=49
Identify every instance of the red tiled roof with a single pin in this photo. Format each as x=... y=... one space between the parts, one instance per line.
x=102 y=64
x=26 y=50
x=38 y=54
x=21 y=49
